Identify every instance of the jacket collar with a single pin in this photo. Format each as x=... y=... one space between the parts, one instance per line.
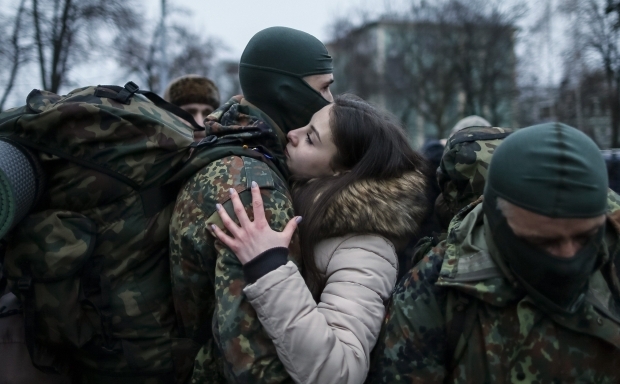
x=468 y=265
x=393 y=208
x=240 y=120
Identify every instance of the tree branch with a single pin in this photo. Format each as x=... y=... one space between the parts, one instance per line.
x=39 y=42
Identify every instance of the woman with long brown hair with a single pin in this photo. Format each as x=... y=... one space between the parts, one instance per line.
x=361 y=191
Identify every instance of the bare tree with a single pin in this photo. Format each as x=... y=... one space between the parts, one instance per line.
x=600 y=42
x=356 y=55
x=421 y=76
x=614 y=7
x=68 y=32
x=14 y=52
x=191 y=53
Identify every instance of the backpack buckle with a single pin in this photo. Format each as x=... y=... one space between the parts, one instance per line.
x=24 y=283
x=132 y=87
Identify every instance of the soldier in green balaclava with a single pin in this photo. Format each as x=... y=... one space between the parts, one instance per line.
x=285 y=76
x=546 y=211
x=525 y=287
x=286 y=73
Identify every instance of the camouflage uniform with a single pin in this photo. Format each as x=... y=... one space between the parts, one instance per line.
x=459 y=316
x=207 y=278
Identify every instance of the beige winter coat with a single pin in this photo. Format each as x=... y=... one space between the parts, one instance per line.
x=331 y=342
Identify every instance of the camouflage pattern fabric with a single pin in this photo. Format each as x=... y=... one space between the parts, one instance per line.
x=461 y=176
x=509 y=338
x=230 y=344
x=463 y=168
x=90 y=262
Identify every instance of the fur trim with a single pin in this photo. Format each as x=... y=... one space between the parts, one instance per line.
x=192 y=89
x=394 y=208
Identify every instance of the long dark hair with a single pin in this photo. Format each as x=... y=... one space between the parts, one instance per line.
x=370 y=145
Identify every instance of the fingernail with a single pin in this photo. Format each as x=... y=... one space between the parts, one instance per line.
x=213 y=226
x=218 y=206
x=254 y=184
x=231 y=191
x=298 y=219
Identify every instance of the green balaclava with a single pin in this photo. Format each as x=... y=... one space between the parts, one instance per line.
x=271 y=73
x=555 y=171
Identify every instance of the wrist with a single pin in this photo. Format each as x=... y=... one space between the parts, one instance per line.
x=264 y=263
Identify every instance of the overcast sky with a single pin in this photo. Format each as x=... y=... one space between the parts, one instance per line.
x=234 y=23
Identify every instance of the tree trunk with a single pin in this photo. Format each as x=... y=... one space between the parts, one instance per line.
x=39 y=42
x=60 y=47
x=16 y=54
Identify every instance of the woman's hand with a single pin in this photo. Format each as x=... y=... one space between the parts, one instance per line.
x=253 y=237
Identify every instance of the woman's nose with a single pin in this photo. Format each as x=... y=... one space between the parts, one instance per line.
x=292 y=137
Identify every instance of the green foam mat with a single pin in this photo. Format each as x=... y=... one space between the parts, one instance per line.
x=7 y=204
x=18 y=186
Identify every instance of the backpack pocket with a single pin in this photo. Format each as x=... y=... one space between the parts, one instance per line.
x=45 y=257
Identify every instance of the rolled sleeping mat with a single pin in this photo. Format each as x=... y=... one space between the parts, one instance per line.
x=21 y=184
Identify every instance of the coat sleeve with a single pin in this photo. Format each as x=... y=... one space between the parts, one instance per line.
x=411 y=347
x=329 y=342
x=208 y=278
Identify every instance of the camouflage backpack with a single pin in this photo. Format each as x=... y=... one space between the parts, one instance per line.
x=90 y=262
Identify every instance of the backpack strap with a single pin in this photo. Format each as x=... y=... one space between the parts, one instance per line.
x=3 y=279
x=464 y=314
x=124 y=94
x=24 y=285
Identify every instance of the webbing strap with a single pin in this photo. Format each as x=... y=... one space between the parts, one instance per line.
x=24 y=284
x=157 y=198
x=461 y=325
x=3 y=279
x=163 y=104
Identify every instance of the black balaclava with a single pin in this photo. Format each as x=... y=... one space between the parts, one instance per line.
x=271 y=73
x=555 y=171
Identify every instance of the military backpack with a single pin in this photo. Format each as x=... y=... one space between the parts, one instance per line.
x=89 y=260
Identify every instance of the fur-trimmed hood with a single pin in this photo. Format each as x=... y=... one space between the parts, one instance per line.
x=393 y=208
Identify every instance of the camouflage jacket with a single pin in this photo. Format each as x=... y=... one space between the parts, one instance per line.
x=207 y=279
x=459 y=317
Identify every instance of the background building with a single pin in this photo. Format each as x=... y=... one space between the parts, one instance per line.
x=430 y=74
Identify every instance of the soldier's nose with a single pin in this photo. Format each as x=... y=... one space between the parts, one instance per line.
x=566 y=249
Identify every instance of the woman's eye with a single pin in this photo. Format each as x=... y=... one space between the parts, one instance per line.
x=308 y=139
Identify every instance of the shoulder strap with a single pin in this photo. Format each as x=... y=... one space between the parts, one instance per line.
x=124 y=94
x=212 y=148
x=3 y=279
x=464 y=313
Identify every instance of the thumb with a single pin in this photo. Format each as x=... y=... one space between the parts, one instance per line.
x=290 y=228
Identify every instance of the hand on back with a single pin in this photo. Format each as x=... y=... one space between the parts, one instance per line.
x=253 y=237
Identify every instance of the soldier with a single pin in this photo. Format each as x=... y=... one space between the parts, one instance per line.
x=525 y=288
x=195 y=94
x=285 y=76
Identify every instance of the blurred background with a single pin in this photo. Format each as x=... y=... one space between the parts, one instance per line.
x=430 y=63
